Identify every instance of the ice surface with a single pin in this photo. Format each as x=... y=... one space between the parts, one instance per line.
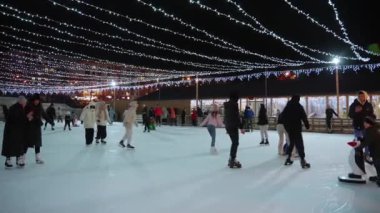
x=171 y=170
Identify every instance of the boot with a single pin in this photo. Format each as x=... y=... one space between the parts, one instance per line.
x=304 y=164
x=38 y=159
x=233 y=163
x=266 y=142
x=8 y=163
x=20 y=161
x=121 y=143
x=103 y=141
x=129 y=146
x=288 y=162
x=262 y=142
x=96 y=141
x=213 y=150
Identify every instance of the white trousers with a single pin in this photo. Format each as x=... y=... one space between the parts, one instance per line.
x=282 y=136
x=264 y=132
x=128 y=133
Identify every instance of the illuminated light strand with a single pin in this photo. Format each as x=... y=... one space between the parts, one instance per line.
x=175 y=49
x=188 y=73
x=268 y=32
x=314 y=21
x=289 y=62
x=90 y=61
x=149 y=25
x=343 y=29
x=133 y=53
x=110 y=24
x=57 y=67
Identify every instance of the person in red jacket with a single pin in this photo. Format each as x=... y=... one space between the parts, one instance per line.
x=158 y=112
x=194 y=117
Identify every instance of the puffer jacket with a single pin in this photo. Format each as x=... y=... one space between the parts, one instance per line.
x=88 y=116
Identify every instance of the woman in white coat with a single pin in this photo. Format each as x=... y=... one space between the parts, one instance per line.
x=88 y=117
x=128 y=122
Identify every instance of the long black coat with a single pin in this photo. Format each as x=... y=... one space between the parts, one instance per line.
x=263 y=117
x=14 y=138
x=34 y=135
x=293 y=116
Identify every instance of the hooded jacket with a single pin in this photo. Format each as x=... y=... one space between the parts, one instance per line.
x=88 y=116
x=293 y=116
x=358 y=117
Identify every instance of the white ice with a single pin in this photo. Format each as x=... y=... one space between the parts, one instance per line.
x=171 y=170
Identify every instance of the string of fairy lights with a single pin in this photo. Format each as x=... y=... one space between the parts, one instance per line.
x=33 y=59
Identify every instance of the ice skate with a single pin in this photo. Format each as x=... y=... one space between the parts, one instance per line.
x=266 y=142
x=234 y=164
x=103 y=141
x=129 y=146
x=20 y=161
x=121 y=144
x=262 y=142
x=97 y=141
x=8 y=164
x=288 y=162
x=213 y=151
x=304 y=164
x=373 y=178
x=38 y=159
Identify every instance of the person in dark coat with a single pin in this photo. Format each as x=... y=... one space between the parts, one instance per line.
x=293 y=115
x=50 y=112
x=372 y=141
x=183 y=117
x=145 y=117
x=5 y=111
x=233 y=123
x=330 y=112
x=34 y=113
x=263 y=124
x=15 y=133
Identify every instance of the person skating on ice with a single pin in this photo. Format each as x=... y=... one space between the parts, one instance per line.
x=213 y=121
x=15 y=131
x=102 y=118
x=263 y=125
x=371 y=140
x=129 y=120
x=50 y=112
x=145 y=118
x=67 y=121
x=88 y=117
x=34 y=113
x=330 y=112
x=233 y=123
x=293 y=116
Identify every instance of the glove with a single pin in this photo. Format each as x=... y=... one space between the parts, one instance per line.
x=307 y=126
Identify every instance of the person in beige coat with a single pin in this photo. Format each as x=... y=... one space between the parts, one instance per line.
x=102 y=118
x=88 y=117
x=129 y=121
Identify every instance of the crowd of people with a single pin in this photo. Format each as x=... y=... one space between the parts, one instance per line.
x=24 y=121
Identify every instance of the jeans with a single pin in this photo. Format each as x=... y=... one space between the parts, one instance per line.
x=211 y=130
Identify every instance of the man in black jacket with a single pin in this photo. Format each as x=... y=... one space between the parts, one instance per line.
x=292 y=116
x=233 y=123
x=360 y=109
x=50 y=112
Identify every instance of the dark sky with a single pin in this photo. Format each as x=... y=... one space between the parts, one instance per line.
x=359 y=18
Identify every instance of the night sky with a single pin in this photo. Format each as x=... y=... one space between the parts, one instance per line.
x=359 y=18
